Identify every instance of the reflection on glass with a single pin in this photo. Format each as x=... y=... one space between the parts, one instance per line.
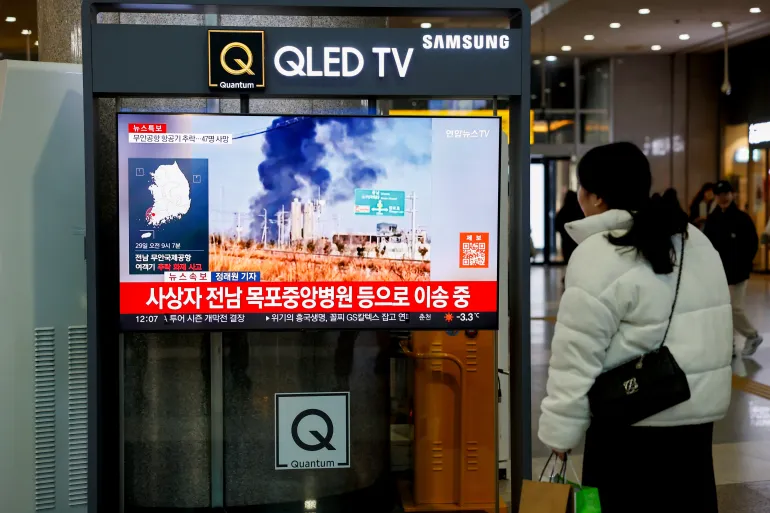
x=166 y=421
x=257 y=365
x=557 y=83
x=595 y=128
x=554 y=128
x=594 y=84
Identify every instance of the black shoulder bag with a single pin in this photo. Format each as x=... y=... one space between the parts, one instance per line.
x=642 y=387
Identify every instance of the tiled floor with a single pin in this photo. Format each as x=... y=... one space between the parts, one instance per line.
x=741 y=440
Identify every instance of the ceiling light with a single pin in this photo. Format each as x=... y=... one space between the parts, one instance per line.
x=536 y=62
x=26 y=32
x=566 y=48
x=615 y=25
x=10 y=19
x=717 y=24
x=551 y=58
x=425 y=25
x=562 y=84
x=644 y=11
x=36 y=43
x=684 y=37
x=588 y=37
x=655 y=48
x=755 y=10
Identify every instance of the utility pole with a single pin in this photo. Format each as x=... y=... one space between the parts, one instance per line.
x=413 y=198
x=238 y=227
x=281 y=215
x=264 y=227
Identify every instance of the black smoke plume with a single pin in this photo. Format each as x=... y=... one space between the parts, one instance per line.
x=293 y=160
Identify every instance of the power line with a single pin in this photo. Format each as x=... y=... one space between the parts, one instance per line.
x=281 y=124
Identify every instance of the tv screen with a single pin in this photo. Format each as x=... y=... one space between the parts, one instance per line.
x=308 y=222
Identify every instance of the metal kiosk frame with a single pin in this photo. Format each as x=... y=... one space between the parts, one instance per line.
x=171 y=61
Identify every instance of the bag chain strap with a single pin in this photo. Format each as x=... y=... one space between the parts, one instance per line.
x=673 y=306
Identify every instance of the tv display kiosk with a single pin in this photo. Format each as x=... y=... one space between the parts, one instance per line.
x=373 y=64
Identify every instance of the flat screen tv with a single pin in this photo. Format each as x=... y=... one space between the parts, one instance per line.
x=231 y=222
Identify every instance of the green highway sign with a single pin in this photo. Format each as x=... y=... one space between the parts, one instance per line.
x=374 y=202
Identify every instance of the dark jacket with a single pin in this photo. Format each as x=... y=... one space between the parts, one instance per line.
x=734 y=236
x=567 y=215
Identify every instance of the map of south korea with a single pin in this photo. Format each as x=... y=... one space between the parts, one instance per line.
x=170 y=194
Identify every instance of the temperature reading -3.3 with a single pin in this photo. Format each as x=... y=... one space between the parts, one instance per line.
x=467 y=317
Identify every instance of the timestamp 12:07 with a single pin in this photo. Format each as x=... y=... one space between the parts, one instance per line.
x=146 y=319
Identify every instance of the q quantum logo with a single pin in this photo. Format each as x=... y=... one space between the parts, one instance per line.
x=312 y=431
x=236 y=59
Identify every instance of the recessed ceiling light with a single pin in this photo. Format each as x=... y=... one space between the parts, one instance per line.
x=536 y=62
x=566 y=48
x=36 y=43
x=26 y=32
x=644 y=11
x=588 y=37
x=10 y=19
x=425 y=25
x=615 y=25
x=755 y=10
x=551 y=58
x=655 y=48
x=684 y=37
x=562 y=84
x=717 y=24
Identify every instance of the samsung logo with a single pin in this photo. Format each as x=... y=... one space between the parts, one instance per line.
x=465 y=42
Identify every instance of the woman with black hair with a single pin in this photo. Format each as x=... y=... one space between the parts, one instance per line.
x=641 y=276
x=702 y=205
x=570 y=211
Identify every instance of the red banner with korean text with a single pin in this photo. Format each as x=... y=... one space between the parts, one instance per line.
x=267 y=297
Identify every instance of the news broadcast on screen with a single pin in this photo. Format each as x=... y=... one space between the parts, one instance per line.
x=319 y=222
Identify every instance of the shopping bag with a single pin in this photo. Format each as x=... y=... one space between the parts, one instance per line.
x=545 y=497
x=585 y=498
x=553 y=495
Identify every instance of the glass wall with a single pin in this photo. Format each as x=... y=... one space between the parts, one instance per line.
x=570 y=99
x=595 y=101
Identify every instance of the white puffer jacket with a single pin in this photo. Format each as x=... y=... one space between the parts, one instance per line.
x=615 y=308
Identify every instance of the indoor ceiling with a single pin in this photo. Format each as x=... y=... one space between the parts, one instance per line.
x=13 y=44
x=665 y=23
x=566 y=26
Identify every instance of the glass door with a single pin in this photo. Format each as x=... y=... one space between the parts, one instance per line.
x=550 y=179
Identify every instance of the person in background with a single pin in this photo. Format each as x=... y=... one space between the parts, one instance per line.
x=672 y=198
x=621 y=284
x=570 y=211
x=702 y=205
x=734 y=236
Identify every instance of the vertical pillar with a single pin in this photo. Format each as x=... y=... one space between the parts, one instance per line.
x=58 y=31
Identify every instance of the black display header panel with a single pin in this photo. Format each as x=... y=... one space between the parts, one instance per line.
x=305 y=62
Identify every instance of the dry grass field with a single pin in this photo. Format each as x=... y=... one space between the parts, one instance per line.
x=303 y=266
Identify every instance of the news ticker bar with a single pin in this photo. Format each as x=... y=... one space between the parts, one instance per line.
x=327 y=321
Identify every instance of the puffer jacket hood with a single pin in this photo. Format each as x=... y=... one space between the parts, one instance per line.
x=615 y=308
